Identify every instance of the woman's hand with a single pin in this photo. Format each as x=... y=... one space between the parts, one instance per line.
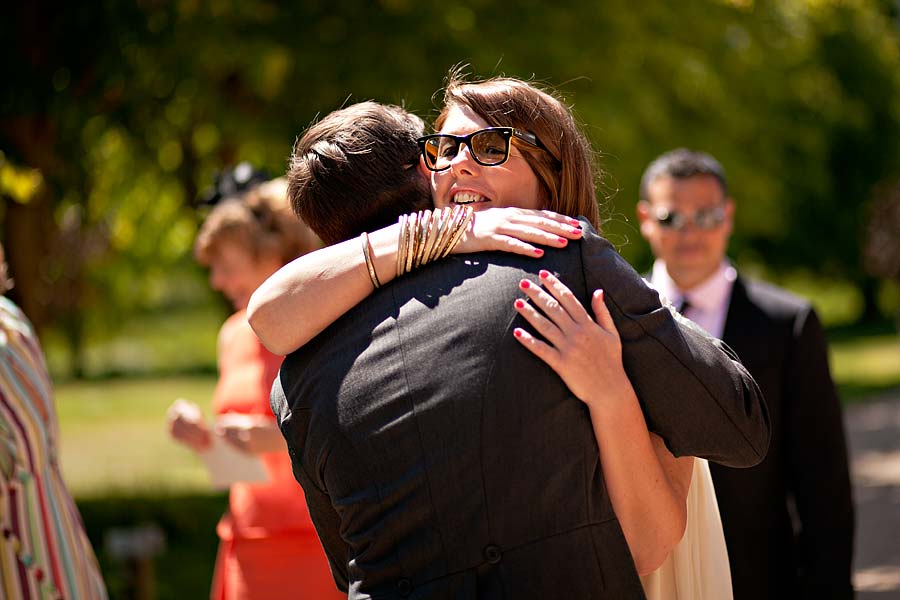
x=586 y=354
x=516 y=230
x=647 y=485
x=253 y=434
x=186 y=425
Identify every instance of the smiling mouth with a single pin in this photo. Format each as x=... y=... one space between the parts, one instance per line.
x=469 y=198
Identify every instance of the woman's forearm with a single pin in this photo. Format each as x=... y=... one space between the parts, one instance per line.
x=308 y=294
x=646 y=484
x=311 y=292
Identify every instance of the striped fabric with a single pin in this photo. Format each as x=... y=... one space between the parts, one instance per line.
x=44 y=552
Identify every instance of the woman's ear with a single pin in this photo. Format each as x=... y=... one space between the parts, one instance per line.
x=423 y=170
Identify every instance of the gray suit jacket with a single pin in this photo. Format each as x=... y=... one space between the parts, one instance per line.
x=440 y=459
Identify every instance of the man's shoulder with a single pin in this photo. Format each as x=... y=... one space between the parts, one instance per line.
x=774 y=299
x=779 y=307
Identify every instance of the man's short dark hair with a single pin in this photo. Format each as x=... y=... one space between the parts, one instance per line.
x=682 y=163
x=355 y=170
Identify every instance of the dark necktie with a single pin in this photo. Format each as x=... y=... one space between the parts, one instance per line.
x=684 y=306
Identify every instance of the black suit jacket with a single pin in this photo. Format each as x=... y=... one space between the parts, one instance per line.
x=780 y=340
x=440 y=459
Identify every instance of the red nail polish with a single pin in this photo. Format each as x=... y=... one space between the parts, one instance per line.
x=538 y=251
x=519 y=304
x=524 y=284
x=577 y=230
x=563 y=240
x=544 y=274
x=573 y=221
x=517 y=332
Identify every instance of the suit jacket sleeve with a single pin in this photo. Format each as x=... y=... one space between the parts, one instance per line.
x=294 y=427
x=817 y=458
x=693 y=390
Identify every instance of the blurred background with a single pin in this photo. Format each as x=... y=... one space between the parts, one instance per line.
x=115 y=116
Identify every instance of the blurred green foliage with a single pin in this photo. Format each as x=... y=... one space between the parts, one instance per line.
x=114 y=115
x=184 y=566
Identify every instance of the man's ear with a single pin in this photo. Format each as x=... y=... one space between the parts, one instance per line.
x=729 y=213
x=644 y=220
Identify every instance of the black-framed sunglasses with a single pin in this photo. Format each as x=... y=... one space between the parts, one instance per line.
x=489 y=147
x=704 y=218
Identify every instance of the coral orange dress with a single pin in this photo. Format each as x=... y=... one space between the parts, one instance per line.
x=269 y=548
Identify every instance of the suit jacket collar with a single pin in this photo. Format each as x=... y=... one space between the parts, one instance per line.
x=745 y=326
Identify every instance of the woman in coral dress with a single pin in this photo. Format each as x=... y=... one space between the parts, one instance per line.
x=268 y=545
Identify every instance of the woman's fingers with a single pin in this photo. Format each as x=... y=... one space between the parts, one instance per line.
x=564 y=296
x=545 y=352
x=538 y=228
x=544 y=326
x=515 y=245
x=518 y=231
x=601 y=312
x=559 y=217
x=549 y=305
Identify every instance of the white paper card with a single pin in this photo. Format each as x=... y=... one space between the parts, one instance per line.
x=227 y=465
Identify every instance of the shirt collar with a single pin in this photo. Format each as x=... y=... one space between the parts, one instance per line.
x=709 y=295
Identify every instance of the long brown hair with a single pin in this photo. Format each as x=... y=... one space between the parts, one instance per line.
x=568 y=172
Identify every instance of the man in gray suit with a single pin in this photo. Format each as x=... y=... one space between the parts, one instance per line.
x=441 y=459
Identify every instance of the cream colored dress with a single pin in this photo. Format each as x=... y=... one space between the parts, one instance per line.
x=697 y=568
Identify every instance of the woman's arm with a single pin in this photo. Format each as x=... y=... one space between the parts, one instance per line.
x=647 y=485
x=186 y=425
x=311 y=292
x=252 y=434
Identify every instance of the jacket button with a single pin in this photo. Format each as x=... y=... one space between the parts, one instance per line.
x=492 y=554
x=404 y=586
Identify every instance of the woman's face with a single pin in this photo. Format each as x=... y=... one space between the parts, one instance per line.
x=466 y=182
x=236 y=273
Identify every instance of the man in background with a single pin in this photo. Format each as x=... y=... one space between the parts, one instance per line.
x=789 y=520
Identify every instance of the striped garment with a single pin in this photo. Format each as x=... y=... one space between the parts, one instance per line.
x=44 y=552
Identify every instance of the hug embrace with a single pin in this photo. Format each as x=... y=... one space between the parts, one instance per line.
x=482 y=398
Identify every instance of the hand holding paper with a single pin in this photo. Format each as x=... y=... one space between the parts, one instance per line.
x=253 y=434
x=227 y=450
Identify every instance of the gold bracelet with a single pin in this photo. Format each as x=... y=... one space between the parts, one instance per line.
x=370 y=265
x=401 y=246
x=410 y=241
x=462 y=223
x=427 y=237
x=431 y=237
x=431 y=241
x=440 y=232
x=421 y=229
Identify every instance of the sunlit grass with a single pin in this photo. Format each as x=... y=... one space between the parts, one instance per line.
x=862 y=366
x=114 y=439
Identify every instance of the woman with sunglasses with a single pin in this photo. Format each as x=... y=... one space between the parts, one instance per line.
x=490 y=152
x=697 y=566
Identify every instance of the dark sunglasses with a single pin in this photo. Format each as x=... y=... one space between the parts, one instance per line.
x=489 y=147
x=705 y=218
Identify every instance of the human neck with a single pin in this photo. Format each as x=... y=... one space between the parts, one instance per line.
x=689 y=279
